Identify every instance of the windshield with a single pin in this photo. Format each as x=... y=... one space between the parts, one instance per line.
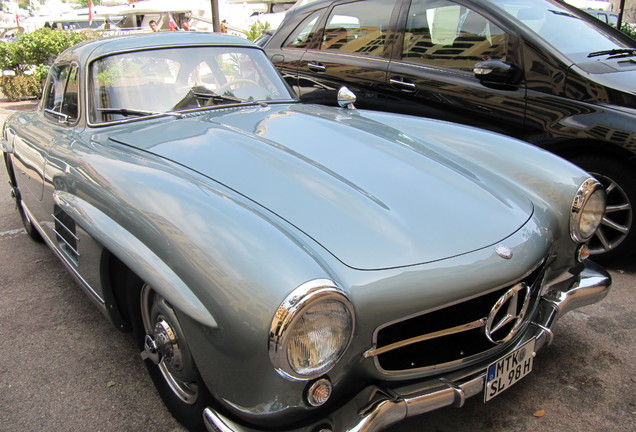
x=149 y=82
x=569 y=34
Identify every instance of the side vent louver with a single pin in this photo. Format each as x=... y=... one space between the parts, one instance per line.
x=65 y=233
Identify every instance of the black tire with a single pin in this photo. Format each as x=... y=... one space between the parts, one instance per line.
x=180 y=387
x=615 y=240
x=29 y=227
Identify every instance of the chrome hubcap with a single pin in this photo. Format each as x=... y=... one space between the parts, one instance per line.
x=162 y=346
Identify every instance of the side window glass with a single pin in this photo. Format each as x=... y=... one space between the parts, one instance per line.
x=445 y=34
x=61 y=101
x=304 y=33
x=358 y=27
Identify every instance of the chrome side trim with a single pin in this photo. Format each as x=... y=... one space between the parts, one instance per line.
x=373 y=409
x=63 y=225
x=72 y=267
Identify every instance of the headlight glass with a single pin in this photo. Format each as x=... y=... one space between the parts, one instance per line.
x=588 y=209
x=318 y=337
x=311 y=330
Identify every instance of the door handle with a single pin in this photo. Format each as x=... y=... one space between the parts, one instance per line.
x=316 y=67
x=403 y=85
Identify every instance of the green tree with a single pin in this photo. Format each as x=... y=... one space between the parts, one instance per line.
x=29 y=56
x=257 y=29
x=39 y=47
x=629 y=30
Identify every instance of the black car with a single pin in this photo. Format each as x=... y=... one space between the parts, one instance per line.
x=539 y=70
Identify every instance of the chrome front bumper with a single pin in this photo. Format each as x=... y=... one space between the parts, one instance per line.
x=374 y=409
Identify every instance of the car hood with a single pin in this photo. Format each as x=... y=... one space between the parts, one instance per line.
x=372 y=196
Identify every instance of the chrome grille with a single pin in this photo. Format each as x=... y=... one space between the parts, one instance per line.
x=446 y=336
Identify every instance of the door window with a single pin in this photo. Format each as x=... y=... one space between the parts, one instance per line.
x=304 y=33
x=61 y=101
x=445 y=34
x=359 y=27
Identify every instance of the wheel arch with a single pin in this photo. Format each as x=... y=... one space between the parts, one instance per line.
x=613 y=166
x=125 y=254
x=587 y=147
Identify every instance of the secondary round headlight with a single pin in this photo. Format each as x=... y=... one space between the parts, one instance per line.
x=311 y=330
x=588 y=209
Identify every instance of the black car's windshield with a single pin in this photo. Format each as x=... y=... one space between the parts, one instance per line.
x=569 y=34
x=152 y=82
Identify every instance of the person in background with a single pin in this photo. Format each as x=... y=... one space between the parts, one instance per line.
x=185 y=25
x=153 y=25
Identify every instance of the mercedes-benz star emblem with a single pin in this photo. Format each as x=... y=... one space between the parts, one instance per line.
x=506 y=316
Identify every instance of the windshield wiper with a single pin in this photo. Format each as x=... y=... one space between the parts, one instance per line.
x=136 y=112
x=617 y=51
x=216 y=98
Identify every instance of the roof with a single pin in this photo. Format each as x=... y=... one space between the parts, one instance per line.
x=103 y=46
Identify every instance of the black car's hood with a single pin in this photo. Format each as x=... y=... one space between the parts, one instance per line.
x=371 y=195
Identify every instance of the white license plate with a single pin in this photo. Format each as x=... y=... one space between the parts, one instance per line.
x=506 y=371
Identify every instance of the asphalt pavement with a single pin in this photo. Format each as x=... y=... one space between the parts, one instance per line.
x=63 y=367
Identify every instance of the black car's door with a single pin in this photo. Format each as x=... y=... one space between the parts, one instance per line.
x=350 y=49
x=432 y=73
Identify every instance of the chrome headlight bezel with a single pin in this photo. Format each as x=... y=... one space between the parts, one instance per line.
x=289 y=314
x=587 y=211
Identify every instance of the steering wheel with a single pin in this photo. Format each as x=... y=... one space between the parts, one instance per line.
x=229 y=85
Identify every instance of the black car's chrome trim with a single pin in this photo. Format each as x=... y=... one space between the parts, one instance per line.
x=375 y=408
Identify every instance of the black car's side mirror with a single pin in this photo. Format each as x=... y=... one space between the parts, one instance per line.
x=496 y=72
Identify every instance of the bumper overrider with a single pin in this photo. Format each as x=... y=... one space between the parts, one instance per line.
x=375 y=408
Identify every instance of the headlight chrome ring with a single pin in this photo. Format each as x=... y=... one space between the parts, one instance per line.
x=588 y=209
x=311 y=330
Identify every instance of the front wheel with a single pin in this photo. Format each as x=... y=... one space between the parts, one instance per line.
x=169 y=361
x=616 y=237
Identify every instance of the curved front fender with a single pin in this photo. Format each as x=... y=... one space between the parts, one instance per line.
x=135 y=255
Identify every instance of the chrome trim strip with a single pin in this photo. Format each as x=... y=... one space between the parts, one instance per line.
x=71 y=266
x=65 y=227
x=72 y=250
x=425 y=337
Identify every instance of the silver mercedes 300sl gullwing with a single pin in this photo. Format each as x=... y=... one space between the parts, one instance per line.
x=292 y=267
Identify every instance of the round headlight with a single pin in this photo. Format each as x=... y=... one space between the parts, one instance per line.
x=588 y=209
x=311 y=330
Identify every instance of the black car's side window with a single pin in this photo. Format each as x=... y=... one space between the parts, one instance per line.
x=60 y=100
x=358 y=27
x=446 y=34
x=302 y=36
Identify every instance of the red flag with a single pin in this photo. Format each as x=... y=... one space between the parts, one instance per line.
x=90 y=12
